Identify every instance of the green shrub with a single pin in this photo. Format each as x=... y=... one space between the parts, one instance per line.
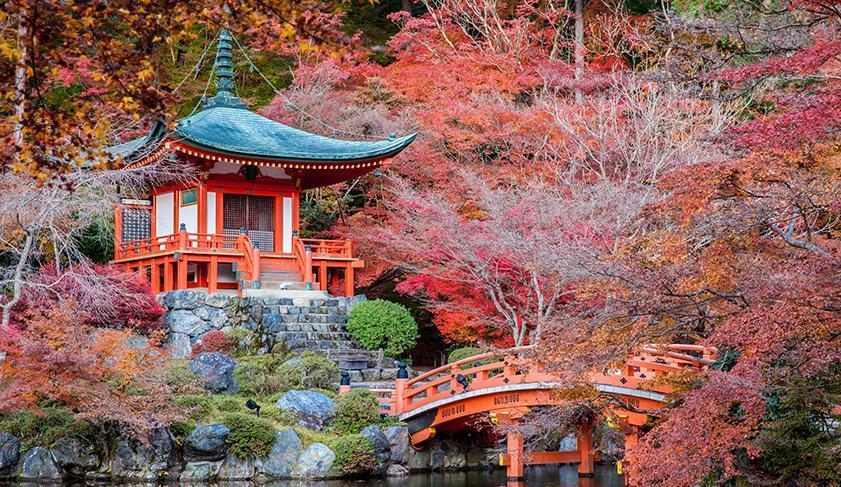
x=282 y=416
x=196 y=406
x=243 y=342
x=383 y=324
x=257 y=375
x=44 y=429
x=229 y=404
x=180 y=429
x=181 y=380
x=249 y=434
x=462 y=353
x=354 y=455
x=309 y=371
x=355 y=410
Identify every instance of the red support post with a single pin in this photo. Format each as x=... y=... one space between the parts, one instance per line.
x=308 y=267
x=212 y=274
x=516 y=455
x=586 y=467
x=349 y=281
x=156 y=278
x=182 y=273
x=169 y=269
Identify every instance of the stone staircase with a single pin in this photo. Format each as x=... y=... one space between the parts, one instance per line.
x=317 y=324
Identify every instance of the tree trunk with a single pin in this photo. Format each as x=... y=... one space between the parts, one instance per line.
x=20 y=89
x=579 y=47
x=17 y=285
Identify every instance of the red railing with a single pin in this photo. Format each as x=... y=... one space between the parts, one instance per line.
x=177 y=241
x=303 y=259
x=329 y=248
x=250 y=269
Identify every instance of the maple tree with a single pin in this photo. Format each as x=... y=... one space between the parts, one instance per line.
x=106 y=376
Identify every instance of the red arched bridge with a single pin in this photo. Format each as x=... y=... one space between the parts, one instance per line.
x=497 y=386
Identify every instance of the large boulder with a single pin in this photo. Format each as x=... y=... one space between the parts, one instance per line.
x=206 y=443
x=398 y=441
x=184 y=299
x=380 y=444
x=315 y=462
x=199 y=471
x=186 y=322
x=314 y=409
x=396 y=470
x=235 y=468
x=216 y=370
x=216 y=317
x=9 y=451
x=284 y=455
x=38 y=464
x=134 y=460
x=74 y=458
x=179 y=345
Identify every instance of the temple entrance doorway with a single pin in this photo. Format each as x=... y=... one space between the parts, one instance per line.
x=253 y=213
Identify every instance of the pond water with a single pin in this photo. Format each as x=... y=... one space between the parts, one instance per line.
x=537 y=476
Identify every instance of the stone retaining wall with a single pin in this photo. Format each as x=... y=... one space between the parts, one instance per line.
x=204 y=457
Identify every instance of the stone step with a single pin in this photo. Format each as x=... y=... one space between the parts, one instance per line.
x=283 y=285
x=314 y=345
x=314 y=327
x=315 y=335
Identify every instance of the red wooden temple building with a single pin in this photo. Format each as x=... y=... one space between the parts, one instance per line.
x=237 y=227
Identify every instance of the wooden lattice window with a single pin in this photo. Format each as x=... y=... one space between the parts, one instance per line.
x=253 y=213
x=137 y=223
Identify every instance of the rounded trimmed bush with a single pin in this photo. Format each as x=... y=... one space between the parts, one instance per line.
x=354 y=455
x=463 y=353
x=383 y=324
x=249 y=435
x=355 y=410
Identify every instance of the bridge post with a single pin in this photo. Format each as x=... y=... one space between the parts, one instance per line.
x=344 y=384
x=516 y=455
x=586 y=468
x=400 y=386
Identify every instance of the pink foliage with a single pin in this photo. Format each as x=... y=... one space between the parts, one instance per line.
x=106 y=295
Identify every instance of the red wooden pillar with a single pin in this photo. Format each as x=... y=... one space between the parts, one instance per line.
x=182 y=273
x=156 y=278
x=516 y=455
x=212 y=274
x=586 y=467
x=348 y=281
x=322 y=276
x=169 y=269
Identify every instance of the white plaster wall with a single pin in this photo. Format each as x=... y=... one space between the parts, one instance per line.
x=287 y=225
x=164 y=221
x=211 y=212
x=188 y=215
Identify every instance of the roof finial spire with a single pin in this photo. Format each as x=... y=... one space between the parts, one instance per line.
x=224 y=75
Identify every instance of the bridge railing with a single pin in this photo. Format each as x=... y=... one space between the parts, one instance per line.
x=502 y=368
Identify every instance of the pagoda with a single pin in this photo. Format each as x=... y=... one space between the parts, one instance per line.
x=238 y=226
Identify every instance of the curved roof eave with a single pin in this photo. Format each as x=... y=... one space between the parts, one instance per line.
x=385 y=153
x=247 y=134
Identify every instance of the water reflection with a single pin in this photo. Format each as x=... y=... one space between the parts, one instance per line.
x=537 y=476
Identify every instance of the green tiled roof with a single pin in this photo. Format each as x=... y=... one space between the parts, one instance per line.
x=238 y=131
x=226 y=125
